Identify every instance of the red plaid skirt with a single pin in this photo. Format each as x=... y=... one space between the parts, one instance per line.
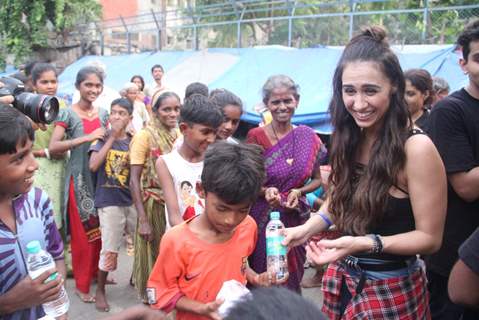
x=394 y=298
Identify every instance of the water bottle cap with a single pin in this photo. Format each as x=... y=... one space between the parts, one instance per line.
x=274 y=215
x=34 y=247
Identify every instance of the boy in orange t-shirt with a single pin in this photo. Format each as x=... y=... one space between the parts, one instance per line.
x=199 y=255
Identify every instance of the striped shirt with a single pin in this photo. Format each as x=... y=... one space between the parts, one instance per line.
x=34 y=221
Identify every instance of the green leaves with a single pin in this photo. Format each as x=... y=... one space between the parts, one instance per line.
x=23 y=23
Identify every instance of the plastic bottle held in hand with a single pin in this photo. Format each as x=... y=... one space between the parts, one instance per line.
x=39 y=261
x=276 y=253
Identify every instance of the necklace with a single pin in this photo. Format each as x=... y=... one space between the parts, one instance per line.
x=89 y=112
x=289 y=160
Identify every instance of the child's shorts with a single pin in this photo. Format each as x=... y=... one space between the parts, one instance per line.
x=114 y=222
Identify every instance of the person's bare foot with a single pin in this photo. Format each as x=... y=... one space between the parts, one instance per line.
x=85 y=297
x=314 y=281
x=101 y=304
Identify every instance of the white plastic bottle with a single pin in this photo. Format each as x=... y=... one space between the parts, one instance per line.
x=39 y=261
x=276 y=253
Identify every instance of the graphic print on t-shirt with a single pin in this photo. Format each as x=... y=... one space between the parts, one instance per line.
x=116 y=169
x=190 y=203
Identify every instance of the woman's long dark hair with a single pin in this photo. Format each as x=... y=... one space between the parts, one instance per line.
x=358 y=200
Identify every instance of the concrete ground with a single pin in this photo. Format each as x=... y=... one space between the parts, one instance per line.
x=122 y=295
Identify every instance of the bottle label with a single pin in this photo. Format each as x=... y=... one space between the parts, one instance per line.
x=52 y=277
x=274 y=246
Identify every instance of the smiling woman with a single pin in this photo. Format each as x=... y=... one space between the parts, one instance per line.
x=81 y=124
x=387 y=192
x=292 y=157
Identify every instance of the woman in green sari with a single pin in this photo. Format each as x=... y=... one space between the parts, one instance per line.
x=148 y=144
x=51 y=173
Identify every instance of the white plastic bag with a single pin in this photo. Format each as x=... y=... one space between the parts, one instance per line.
x=231 y=292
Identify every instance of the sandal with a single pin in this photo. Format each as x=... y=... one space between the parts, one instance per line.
x=85 y=297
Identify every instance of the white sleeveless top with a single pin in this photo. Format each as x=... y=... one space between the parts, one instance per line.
x=185 y=176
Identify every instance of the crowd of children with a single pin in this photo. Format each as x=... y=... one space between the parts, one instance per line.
x=196 y=200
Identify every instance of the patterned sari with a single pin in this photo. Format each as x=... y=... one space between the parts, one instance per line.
x=289 y=164
x=160 y=141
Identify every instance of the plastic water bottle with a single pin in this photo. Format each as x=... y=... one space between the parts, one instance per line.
x=39 y=261
x=276 y=258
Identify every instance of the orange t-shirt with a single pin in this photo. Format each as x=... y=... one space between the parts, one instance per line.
x=188 y=266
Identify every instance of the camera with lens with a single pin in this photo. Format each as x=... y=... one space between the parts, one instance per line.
x=38 y=107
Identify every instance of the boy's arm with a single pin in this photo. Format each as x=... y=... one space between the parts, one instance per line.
x=262 y=279
x=98 y=156
x=209 y=309
x=28 y=293
x=169 y=192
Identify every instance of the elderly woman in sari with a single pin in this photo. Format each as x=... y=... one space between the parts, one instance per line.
x=292 y=155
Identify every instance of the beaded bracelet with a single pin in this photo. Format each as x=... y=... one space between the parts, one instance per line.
x=325 y=218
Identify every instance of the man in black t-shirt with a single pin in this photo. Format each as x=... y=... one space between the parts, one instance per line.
x=464 y=279
x=454 y=128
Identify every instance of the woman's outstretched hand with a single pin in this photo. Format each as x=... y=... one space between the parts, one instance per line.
x=326 y=251
x=295 y=236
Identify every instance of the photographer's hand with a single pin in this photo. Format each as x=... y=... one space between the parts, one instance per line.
x=6 y=99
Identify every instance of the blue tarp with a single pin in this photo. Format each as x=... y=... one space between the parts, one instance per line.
x=247 y=69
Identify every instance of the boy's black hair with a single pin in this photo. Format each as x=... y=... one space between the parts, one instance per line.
x=199 y=110
x=15 y=128
x=274 y=303
x=233 y=172
x=469 y=34
x=40 y=68
x=157 y=66
x=124 y=103
x=196 y=88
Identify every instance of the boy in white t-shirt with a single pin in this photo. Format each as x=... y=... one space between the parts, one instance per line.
x=180 y=171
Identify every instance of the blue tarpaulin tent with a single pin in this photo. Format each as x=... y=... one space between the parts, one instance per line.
x=244 y=71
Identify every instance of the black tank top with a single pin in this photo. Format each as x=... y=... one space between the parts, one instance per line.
x=398 y=217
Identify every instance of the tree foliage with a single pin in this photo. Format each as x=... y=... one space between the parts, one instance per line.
x=26 y=25
x=437 y=26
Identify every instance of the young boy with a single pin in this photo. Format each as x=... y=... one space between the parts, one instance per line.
x=180 y=170
x=109 y=159
x=199 y=255
x=25 y=215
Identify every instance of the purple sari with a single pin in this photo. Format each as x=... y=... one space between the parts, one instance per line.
x=289 y=164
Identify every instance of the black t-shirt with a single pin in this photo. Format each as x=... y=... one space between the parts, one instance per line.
x=454 y=129
x=469 y=252
x=423 y=121
x=113 y=177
